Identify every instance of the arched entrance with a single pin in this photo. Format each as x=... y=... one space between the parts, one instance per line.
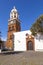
x=29 y=45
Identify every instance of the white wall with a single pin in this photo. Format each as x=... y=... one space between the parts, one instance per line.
x=20 y=40
x=39 y=43
x=0 y=50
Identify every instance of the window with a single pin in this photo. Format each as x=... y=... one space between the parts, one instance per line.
x=14 y=15
x=9 y=28
x=12 y=27
x=10 y=36
x=27 y=34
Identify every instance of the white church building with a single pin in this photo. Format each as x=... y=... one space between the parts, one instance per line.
x=21 y=40
x=24 y=41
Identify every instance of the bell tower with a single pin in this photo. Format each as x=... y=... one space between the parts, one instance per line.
x=13 y=26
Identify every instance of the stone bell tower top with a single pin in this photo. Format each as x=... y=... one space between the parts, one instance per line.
x=14 y=9
x=14 y=13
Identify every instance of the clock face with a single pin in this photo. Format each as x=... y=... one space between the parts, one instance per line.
x=11 y=22
x=14 y=21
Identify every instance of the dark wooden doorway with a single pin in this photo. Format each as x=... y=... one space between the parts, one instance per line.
x=29 y=45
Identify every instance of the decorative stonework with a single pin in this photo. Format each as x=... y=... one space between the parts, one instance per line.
x=30 y=39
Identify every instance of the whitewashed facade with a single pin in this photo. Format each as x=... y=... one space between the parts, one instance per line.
x=0 y=50
x=20 y=40
x=38 y=42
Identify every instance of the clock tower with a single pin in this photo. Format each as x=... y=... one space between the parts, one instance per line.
x=13 y=26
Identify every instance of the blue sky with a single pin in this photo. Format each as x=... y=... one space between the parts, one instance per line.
x=29 y=11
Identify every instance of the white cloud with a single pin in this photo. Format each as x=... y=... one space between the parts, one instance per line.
x=4 y=39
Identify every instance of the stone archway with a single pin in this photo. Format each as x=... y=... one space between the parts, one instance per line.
x=29 y=45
